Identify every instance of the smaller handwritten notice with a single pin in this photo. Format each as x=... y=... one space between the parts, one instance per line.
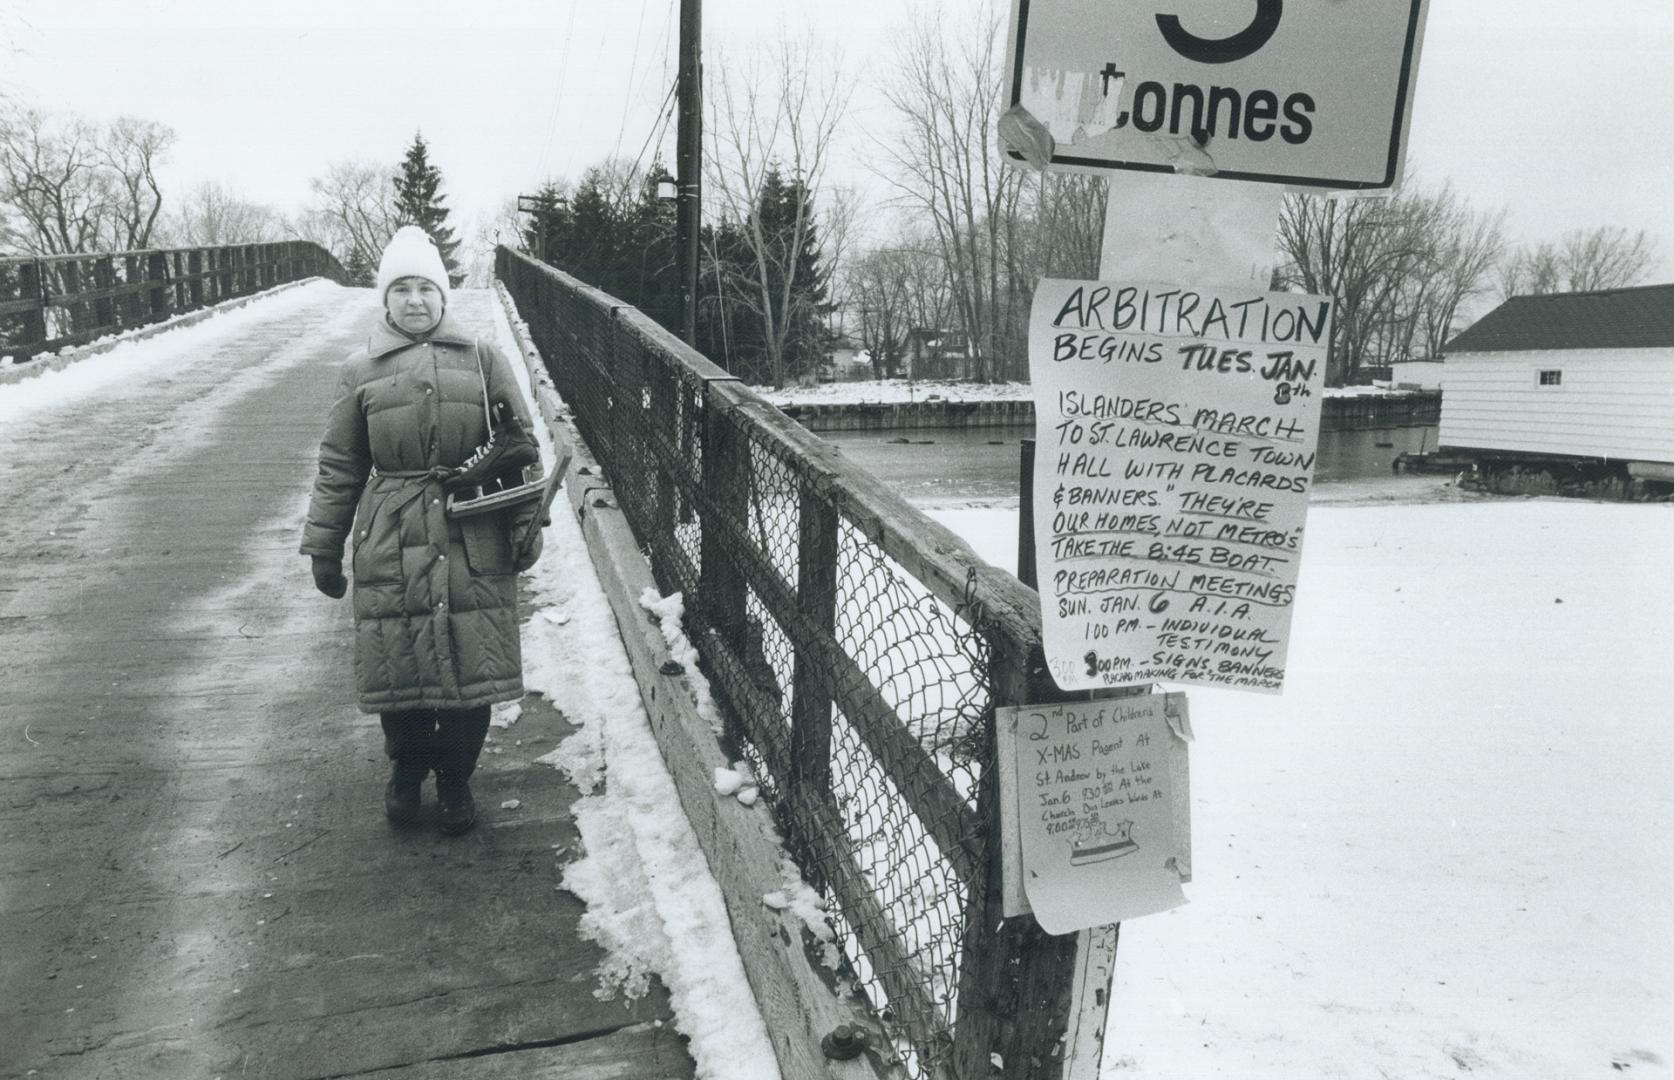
x=1099 y=794
x=1176 y=433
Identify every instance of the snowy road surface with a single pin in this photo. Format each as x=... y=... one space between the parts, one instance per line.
x=1448 y=848
x=196 y=879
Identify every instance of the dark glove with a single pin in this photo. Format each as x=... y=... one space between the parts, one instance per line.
x=328 y=576
x=526 y=530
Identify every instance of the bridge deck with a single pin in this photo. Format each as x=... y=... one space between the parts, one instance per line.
x=195 y=875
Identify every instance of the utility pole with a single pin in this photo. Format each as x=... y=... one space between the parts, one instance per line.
x=689 y=163
x=540 y=209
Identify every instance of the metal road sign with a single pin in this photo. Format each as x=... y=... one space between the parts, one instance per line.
x=1311 y=93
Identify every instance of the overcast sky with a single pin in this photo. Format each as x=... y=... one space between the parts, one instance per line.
x=1559 y=110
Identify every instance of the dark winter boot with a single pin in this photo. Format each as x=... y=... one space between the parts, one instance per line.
x=456 y=811
x=459 y=739
x=401 y=794
x=409 y=742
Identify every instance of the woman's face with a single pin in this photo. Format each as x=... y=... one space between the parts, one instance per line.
x=414 y=304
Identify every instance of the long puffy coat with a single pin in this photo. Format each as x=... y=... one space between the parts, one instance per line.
x=435 y=599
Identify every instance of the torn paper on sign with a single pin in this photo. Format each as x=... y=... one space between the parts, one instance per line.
x=1074 y=105
x=1189 y=229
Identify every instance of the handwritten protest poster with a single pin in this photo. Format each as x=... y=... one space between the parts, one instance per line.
x=1098 y=797
x=1176 y=431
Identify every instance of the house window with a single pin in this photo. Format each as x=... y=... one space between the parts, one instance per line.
x=1551 y=377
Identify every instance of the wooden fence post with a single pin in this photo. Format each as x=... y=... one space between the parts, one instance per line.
x=134 y=306
x=75 y=312
x=662 y=384
x=816 y=598
x=32 y=286
x=726 y=474
x=1016 y=984
x=157 y=272
x=104 y=307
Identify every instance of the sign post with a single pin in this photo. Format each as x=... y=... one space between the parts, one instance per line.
x=1169 y=99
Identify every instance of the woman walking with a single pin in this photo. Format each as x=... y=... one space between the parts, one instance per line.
x=435 y=594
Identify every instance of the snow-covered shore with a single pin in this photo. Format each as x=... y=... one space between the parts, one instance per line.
x=1446 y=848
x=889 y=391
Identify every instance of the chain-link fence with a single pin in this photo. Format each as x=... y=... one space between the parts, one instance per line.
x=857 y=650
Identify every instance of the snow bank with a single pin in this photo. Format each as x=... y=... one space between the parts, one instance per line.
x=1445 y=848
x=154 y=356
x=890 y=391
x=651 y=901
x=893 y=390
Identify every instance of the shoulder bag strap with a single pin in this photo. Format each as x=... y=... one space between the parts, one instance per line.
x=482 y=377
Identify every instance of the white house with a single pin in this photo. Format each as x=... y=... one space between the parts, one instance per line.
x=1586 y=375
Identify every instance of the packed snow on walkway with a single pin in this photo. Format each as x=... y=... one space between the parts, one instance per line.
x=1447 y=849
x=651 y=901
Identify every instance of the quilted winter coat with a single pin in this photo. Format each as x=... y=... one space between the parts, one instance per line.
x=435 y=599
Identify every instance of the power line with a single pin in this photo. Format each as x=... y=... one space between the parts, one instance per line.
x=557 y=93
x=633 y=67
x=659 y=124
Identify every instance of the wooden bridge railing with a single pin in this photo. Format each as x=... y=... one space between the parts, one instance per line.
x=50 y=302
x=857 y=650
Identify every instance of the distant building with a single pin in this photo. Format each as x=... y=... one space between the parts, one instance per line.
x=935 y=353
x=848 y=361
x=1416 y=374
x=1586 y=375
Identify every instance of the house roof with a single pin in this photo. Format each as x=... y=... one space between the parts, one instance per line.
x=1640 y=318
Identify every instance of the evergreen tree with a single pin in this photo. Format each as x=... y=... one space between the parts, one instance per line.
x=736 y=305
x=613 y=232
x=806 y=318
x=359 y=269
x=550 y=223
x=418 y=203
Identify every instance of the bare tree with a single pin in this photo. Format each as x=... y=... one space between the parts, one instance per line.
x=352 y=213
x=764 y=128
x=1535 y=269
x=52 y=182
x=1359 y=251
x=1608 y=257
x=69 y=185
x=1583 y=260
x=1464 y=248
x=130 y=151
x=1050 y=228
x=896 y=288
x=1399 y=269
x=504 y=226
x=839 y=226
x=210 y=214
x=878 y=287
x=945 y=164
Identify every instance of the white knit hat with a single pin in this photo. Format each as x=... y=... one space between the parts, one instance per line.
x=411 y=253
